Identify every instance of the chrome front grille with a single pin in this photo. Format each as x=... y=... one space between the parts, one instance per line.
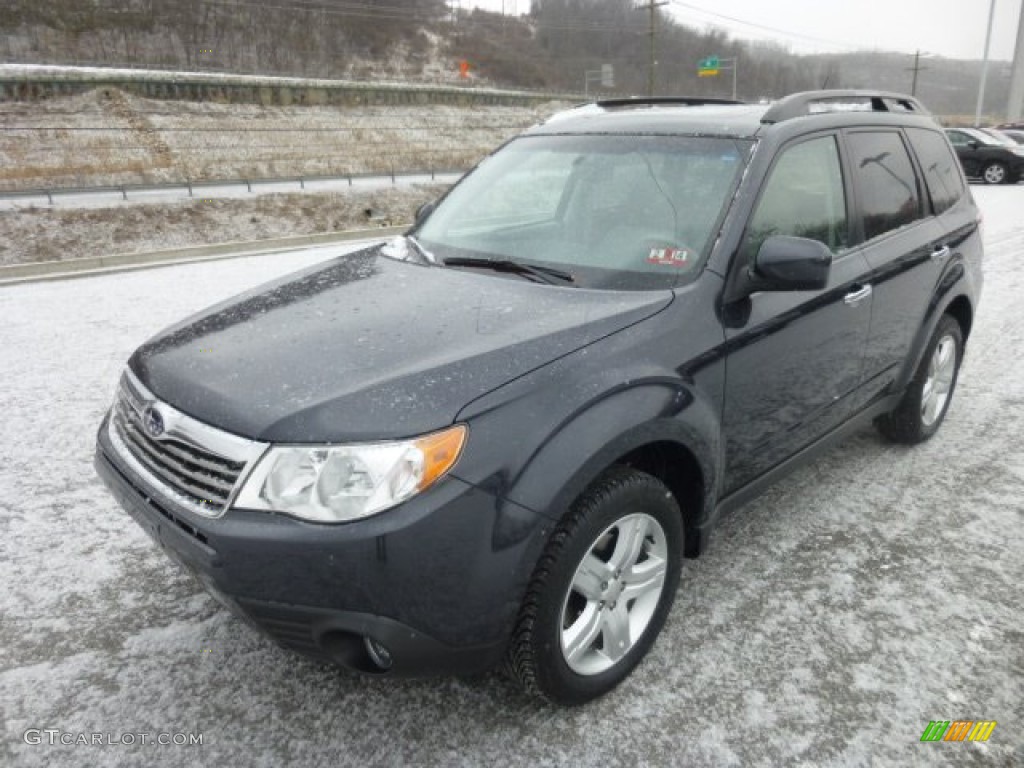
x=195 y=464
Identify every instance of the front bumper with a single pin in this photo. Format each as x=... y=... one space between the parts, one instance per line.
x=438 y=580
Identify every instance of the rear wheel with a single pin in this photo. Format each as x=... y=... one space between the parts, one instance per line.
x=601 y=591
x=923 y=407
x=995 y=173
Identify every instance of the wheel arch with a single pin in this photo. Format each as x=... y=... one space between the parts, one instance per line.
x=949 y=298
x=961 y=311
x=675 y=465
x=666 y=431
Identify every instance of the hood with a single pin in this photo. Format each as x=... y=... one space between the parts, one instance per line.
x=364 y=347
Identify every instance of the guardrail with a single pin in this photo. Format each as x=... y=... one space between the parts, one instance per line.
x=30 y=85
x=192 y=187
x=212 y=73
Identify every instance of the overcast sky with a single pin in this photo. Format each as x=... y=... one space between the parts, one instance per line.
x=953 y=28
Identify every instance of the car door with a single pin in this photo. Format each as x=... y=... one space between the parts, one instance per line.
x=904 y=234
x=795 y=357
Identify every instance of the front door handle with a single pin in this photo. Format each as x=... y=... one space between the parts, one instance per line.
x=854 y=298
x=941 y=253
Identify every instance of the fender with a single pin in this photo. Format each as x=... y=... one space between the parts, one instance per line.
x=950 y=287
x=607 y=429
x=573 y=443
x=660 y=381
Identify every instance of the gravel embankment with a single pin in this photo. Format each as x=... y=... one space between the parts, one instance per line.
x=57 y=234
x=107 y=137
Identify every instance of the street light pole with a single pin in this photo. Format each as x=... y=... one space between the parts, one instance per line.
x=984 y=64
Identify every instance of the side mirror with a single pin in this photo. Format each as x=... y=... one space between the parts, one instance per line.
x=973 y=144
x=425 y=210
x=786 y=263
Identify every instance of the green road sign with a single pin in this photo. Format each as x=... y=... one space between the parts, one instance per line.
x=708 y=67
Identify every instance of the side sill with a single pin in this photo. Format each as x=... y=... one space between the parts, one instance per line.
x=755 y=487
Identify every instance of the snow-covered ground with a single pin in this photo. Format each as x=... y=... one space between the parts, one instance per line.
x=870 y=592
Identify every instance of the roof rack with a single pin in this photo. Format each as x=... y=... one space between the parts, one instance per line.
x=647 y=101
x=800 y=104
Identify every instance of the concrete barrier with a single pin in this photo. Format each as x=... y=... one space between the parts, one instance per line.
x=62 y=270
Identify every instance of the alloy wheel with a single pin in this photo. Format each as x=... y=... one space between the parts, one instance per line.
x=939 y=382
x=614 y=594
x=995 y=174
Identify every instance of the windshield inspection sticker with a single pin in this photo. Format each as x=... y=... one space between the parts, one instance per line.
x=673 y=257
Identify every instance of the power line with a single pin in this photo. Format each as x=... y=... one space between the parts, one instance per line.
x=763 y=27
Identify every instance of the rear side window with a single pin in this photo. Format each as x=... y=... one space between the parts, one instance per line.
x=941 y=171
x=885 y=178
x=802 y=197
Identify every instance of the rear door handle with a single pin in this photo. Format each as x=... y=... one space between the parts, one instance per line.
x=940 y=253
x=856 y=297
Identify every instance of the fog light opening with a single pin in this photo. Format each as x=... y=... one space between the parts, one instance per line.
x=378 y=653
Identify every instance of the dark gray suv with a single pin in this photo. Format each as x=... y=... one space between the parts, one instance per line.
x=497 y=437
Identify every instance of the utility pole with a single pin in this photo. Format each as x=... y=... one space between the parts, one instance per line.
x=1015 y=106
x=915 y=69
x=651 y=6
x=984 y=65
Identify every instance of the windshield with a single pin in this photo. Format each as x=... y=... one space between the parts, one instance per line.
x=998 y=137
x=622 y=212
x=982 y=137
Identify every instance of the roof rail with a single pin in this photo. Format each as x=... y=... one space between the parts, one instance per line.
x=800 y=104
x=647 y=101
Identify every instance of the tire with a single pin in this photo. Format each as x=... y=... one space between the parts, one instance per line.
x=564 y=648
x=995 y=173
x=926 y=401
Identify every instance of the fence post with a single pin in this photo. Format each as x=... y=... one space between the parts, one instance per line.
x=124 y=193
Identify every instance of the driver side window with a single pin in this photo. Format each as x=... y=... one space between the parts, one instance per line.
x=803 y=197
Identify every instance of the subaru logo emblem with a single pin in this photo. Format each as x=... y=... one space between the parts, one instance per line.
x=153 y=421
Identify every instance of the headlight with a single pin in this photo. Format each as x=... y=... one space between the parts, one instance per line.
x=332 y=484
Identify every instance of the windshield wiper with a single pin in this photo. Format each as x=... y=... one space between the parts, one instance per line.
x=548 y=275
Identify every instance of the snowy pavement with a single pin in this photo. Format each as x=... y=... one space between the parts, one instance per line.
x=870 y=592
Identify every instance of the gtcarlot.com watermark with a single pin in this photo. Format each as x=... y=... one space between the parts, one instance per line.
x=55 y=736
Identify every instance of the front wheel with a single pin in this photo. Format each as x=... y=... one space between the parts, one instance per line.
x=601 y=591
x=923 y=407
